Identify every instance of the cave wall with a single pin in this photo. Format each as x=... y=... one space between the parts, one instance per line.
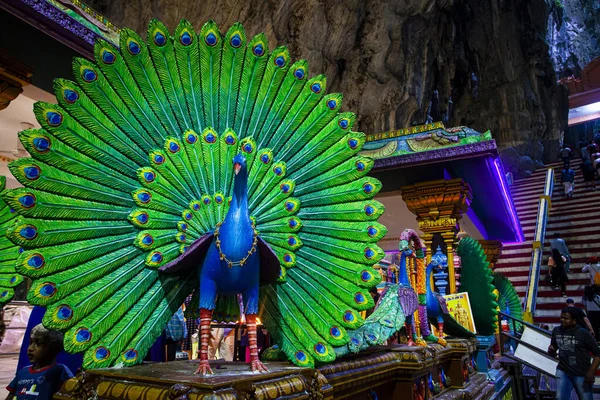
x=481 y=63
x=574 y=35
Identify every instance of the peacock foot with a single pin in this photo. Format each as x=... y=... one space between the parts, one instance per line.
x=435 y=339
x=258 y=366
x=204 y=368
x=420 y=342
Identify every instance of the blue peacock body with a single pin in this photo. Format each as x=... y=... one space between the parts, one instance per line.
x=195 y=163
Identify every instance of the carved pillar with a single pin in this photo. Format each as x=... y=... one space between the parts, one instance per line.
x=439 y=205
x=492 y=250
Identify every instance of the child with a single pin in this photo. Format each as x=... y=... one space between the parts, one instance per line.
x=44 y=376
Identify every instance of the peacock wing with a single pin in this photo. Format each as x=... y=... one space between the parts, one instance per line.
x=9 y=252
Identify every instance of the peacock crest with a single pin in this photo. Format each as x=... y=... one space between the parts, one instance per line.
x=134 y=164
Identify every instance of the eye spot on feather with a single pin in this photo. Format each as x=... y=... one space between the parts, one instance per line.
x=147 y=239
x=182 y=226
x=144 y=197
x=359 y=298
x=196 y=206
x=300 y=356
x=316 y=88
x=371 y=337
x=181 y=238
x=278 y=170
x=101 y=353
x=365 y=276
x=191 y=138
x=285 y=188
x=247 y=148
x=289 y=206
x=13 y=279
x=36 y=261
x=206 y=201
x=83 y=335
x=320 y=348
x=157 y=257
x=360 y=166
x=108 y=57
x=160 y=39
x=293 y=223
x=292 y=241
x=353 y=143
x=32 y=172
x=211 y=39
x=4 y=294
x=142 y=218
x=369 y=210
x=335 y=332
x=219 y=199
x=368 y=187
x=187 y=216
x=332 y=104
x=280 y=61
x=130 y=355
x=236 y=41
x=21 y=250
x=210 y=138
x=185 y=38
x=64 y=313
x=89 y=75
x=41 y=144
x=54 y=118
x=173 y=147
x=343 y=123
x=299 y=73
x=287 y=258
x=133 y=47
x=47 y=290
x=349 y=316
x=28 y=232
x=149 y=176
x=369 y=253
x=265 y=158
x=229 y=139
x=159 y=159
x=355 y=341
x=258 y=49
x=70 y=96
x=372 y=231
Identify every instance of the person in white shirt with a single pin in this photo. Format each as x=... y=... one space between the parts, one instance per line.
x=592 y=267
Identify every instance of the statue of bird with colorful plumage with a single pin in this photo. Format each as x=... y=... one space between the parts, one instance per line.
x=196 y=163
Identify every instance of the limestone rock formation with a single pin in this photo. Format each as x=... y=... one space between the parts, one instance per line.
x=481 y=63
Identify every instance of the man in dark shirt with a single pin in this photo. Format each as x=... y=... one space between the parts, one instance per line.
x=574 y=346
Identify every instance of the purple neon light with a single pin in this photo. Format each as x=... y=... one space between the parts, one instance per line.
x=508 y=201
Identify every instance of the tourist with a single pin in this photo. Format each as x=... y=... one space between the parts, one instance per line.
x=582 y=318
x=559 y=244
x=592 y=148
x=592 y=267
x=591 y=300
x=589 y=173
x=556 y=267
x=568 y=180
x=584 y=150
x=574 y=346
x=44 y=376
x=565 y=154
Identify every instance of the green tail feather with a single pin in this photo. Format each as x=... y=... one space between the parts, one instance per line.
x=508 y=299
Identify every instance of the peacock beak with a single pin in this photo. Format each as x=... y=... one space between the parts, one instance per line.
x=237 y=167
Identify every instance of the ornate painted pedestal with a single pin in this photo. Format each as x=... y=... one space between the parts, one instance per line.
x=385 y=372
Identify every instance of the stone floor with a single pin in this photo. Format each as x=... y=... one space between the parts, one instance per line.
x=8 y=366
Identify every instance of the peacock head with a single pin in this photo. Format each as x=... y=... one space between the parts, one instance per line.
x=239 y=163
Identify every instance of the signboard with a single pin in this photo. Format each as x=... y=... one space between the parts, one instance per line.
x=460 y=308
x=541 y=342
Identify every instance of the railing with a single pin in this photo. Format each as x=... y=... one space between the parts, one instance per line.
x=538 y=247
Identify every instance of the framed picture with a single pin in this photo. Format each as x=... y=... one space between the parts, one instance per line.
x=460 y=308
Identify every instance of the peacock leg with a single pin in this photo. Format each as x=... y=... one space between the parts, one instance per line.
x=205 y=319
x=255 y=363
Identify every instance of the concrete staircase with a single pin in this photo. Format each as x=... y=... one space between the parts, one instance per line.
x=577 y=220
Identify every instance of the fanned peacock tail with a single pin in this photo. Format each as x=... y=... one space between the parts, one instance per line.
x=134 y=164
x=476 y=279
x=9 y=252
x=508 y=298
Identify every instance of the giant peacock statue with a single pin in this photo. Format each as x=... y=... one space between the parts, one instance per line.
x=196 y=163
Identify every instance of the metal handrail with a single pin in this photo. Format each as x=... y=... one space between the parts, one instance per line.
x=544 y=206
